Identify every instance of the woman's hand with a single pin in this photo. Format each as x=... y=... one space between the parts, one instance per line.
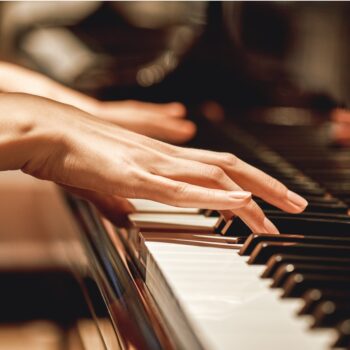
x=162 y=121
x=60 y=143
x=341 y=126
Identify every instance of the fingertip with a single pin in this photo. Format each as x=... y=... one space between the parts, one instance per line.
x=184 y=131
x=176 y=109
x=270 y=227
x=188 y=127
x=241 y=194
x=296 y=202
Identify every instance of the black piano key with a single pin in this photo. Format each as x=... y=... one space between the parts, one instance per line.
x=343 y=330
x=254 y=239
x=220 y=224
x=293 y=225
x=265 y=250
x=313 y=297
x=276 y=213
x=312 y=226
x=235 y=227
x=278 y=259
x=297 y=284
x=329 y=313
x=211 y=213
x=319 y=207
x=284 y=271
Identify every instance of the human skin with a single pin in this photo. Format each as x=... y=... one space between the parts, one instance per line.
x=106 y=163
x=341 y=126
x=164 y=121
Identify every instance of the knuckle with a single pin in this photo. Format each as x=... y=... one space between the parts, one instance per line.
x=139 y=181
x=215 y=173
x=228 y=159
x=178 y=194
x=180 y=189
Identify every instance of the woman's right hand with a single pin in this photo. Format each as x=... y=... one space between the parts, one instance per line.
x=63 y=144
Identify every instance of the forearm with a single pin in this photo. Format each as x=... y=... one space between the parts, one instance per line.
x=14 y=78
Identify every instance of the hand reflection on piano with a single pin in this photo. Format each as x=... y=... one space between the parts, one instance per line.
x=341 y=126
x=60 y=143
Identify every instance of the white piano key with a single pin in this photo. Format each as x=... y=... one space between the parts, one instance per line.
x=173 y=221
x=148 y=206
x=229 y=306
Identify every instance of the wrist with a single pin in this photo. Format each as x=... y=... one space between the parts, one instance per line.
x=22 y=133
x=16 y=133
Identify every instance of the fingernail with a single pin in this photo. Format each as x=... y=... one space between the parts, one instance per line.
x=240 y=194
x=270 y=227
x=297 y=200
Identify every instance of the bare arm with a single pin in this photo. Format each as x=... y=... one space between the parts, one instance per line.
x=60 y=143
x=163 y=121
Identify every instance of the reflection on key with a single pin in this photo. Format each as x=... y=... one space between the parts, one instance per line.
x=148 y=206
x=173 y=221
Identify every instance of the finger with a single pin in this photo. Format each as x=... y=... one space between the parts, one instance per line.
x=340 y=115
x=250 y=178
x=341 y=133
x=193 y=172
x=182 y=194
x=172 y=130
x=172 y=109
x=253 y=216
x=210 y=176
x=267 y=188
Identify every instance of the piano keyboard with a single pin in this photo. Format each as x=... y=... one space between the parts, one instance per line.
x=223 y=298
x=251 y=291
x=217 y=286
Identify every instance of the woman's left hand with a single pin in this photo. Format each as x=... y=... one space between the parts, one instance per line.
x=164 y=121
x=341 y=126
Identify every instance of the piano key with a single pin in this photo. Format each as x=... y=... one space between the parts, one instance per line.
x=343 y=330
x=156 y=221
x=265 y=250
x=189 y=238
x=211 y=301
x=337 y=208
x=211 y=213
x=297 y=284
x=329 y=313
x=313 y=297
x=319 y=226
x=148 y=206
x=279 y=259
x=284 y=271
x=254 y=239
x=307 y=215
x=293 y=225
x=220 y=224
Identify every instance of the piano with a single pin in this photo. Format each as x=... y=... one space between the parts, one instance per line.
x=175 y=278
x=212 y=284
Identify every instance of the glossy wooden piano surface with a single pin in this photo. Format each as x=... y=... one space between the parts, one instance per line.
x=204 y=294
x=45 y=284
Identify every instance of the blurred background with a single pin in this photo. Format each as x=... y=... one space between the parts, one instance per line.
x=240 y=53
